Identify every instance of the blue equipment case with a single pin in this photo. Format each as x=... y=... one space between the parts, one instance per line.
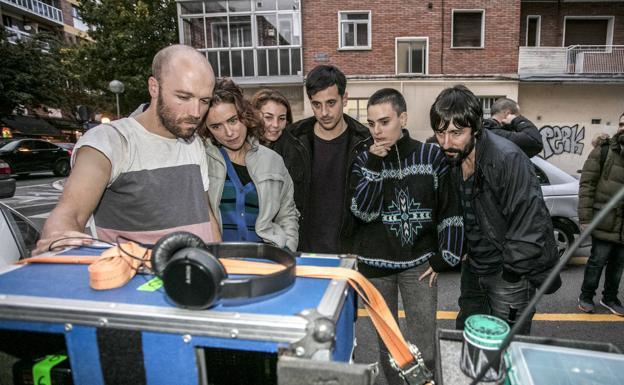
x=177 y=344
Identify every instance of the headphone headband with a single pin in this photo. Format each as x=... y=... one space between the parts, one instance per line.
x=250 y=287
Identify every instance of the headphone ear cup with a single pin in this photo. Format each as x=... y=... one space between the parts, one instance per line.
x=192 y=278
x=168 y=245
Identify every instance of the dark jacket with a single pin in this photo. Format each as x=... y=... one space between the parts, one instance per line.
x=598 y=185
x=520 y=131
x=407 y=213
x=293 y=152
x=510 y=210
x=296 y=149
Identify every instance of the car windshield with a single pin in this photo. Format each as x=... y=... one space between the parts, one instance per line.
x=9 y=146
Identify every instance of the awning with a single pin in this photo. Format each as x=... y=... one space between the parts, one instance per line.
x=29 y=126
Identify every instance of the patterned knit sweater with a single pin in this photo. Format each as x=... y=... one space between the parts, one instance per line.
x=408 y=213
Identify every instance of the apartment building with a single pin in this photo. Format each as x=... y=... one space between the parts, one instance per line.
x=562 y=60
x=571 y=74
x=22 y=18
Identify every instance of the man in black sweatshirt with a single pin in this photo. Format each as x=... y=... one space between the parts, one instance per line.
x=507 y=122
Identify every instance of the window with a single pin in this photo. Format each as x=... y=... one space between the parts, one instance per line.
x=7 y=21
x=76 y=13
x=277 y=29
x=411 y=55
x=534 y=26
x=244 y=38
x=356 y=108
x=191 y=7
x=467 y=28
x=541 y=176
x=596 y=30
x=486 y=104
x=355 y=29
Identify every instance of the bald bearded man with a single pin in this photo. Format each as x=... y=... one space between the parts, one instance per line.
x=144 y=176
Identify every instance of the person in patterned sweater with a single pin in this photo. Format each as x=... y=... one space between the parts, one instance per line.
x=409 y=223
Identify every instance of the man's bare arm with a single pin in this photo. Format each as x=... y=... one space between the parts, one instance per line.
x=81 y=195
x=214 y=225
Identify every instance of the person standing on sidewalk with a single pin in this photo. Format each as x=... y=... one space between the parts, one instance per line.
x=507 y=122
x=409 y=221
x=601 y=178
x=509 y=233
x=330 y=141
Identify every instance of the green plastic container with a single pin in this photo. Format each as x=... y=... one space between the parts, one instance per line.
x=483 y=335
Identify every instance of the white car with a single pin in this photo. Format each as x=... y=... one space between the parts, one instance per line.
x=560 y=192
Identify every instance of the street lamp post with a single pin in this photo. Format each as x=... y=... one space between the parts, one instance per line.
x=116 y=87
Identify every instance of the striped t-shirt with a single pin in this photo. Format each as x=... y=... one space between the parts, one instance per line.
x=157 y=185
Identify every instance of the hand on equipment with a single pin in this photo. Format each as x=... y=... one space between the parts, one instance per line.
x=61 y=240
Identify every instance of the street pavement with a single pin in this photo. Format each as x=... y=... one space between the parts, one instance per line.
x=557 y=315
x=35 y=196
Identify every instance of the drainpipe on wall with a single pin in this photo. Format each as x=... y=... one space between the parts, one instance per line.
x=559 y=31
x=442 y=29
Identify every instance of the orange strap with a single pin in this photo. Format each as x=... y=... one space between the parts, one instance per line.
x=114 y=268
x=380 y=314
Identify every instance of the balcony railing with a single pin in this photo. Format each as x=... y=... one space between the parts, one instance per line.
x=570 y=61
x=15 y=35
x=283 y=62
x=595 y=59
x=39 y=8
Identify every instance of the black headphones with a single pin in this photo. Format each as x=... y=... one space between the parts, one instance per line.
x=194 y=278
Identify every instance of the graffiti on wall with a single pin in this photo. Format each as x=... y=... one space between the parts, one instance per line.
x=565 y=139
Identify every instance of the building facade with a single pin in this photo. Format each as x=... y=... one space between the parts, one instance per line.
x=563 y=61
x=23 y=18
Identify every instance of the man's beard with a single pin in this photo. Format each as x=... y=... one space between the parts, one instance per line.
x=455 y=161
x=169 y=121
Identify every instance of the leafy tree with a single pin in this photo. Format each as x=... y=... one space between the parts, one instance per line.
x=32 y=73
x=126 y=35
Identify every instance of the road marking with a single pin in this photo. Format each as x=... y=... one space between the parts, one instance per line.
x=40 y=216
x=568 y=317
x=37 y=185
x=578 y=261
x=18 y=206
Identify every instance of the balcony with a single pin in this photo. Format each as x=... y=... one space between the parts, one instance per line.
x=38 y=8
x=257 y=65
x=15 y=35
x=574 y=62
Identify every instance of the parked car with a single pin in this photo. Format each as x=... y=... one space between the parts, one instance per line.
x=18 y=236
x=68 y=146
x=560 y=192
x=33 y=155
x=7 y=184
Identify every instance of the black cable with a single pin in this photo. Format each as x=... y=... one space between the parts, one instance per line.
x=66 y=238
x=549 y=280
x=141 y=259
